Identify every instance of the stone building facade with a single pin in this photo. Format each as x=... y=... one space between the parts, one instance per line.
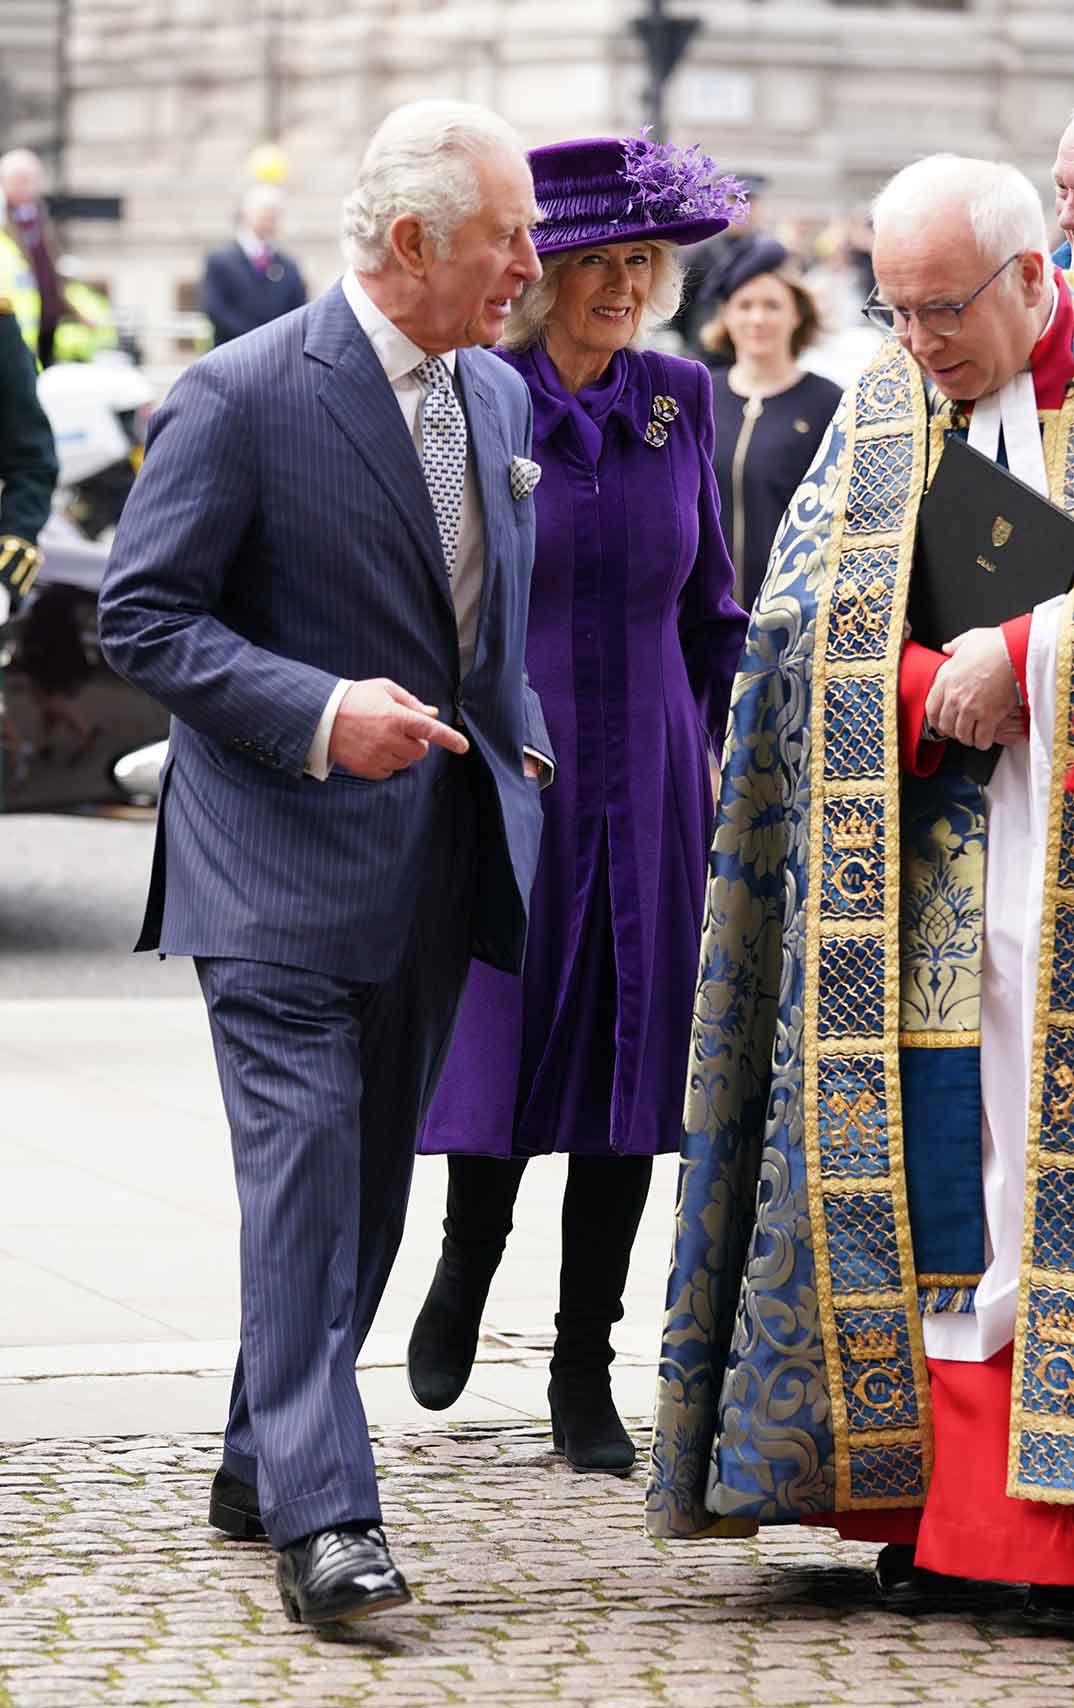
x=165 y=99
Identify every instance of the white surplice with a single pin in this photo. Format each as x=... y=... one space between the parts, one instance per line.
x=1016 y=811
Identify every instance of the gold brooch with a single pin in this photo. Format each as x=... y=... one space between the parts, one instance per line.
x=664 y=411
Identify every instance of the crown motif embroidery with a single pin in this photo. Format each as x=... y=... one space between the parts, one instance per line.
x=1058 y=1329
x=873 y=1346
x=854 y=830
x=1063 y=1093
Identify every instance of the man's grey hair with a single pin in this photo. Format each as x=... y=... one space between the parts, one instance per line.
x=1004 y=210
x=258 y=196
x=421 y=161
x=20 y=160
x=534 y=309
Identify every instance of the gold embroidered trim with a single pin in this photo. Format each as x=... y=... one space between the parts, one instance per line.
x=1062 y=752
x=881 y=1299
x=883 y=1437
x=940 y=1040
x=1037 y=1425
x=949 y=1280
x=890 y=387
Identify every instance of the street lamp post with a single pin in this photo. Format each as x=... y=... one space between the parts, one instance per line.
x=665 y=40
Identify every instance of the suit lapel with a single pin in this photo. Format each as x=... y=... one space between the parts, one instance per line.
x=360 y=400
x=491 y=461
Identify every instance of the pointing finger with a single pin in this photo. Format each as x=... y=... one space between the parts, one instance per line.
x=441 y=735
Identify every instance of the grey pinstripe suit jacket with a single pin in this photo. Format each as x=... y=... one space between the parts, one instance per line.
x=280 y=535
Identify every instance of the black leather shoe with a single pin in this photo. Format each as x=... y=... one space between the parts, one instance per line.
x=908 y=1588
x=586 y=1427
x=1050 y=1604
x=338 y=1574
x=233 y=1508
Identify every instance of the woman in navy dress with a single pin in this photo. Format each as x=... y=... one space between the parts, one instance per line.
x=771 y=414
x=633 y=642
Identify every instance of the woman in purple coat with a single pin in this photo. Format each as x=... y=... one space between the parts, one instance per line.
x=633 y=641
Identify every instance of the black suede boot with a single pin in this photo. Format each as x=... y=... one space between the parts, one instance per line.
x=443 y=1342
x=602 y=1207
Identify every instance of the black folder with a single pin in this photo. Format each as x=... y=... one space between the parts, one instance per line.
x=988 y=548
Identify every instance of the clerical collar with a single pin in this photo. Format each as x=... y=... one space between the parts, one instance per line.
x=1052 y=360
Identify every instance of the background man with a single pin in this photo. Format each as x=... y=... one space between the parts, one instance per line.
x=28 y=465
x=330 y=542
x=249 y=281
x=1063 y=177
x=872 y=1336
x=27 y=223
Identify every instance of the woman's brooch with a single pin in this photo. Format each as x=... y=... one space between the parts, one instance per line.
x=665 y=410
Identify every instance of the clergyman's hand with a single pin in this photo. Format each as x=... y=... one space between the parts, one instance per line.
x=974 y=690
x=1012 y=730
x=380 y=728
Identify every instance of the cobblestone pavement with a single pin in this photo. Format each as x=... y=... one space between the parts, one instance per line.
x=532 y=1585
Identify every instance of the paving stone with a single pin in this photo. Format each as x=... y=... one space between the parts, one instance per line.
x=532 y=1586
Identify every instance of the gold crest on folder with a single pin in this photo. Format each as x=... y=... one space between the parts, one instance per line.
x=1001 y=531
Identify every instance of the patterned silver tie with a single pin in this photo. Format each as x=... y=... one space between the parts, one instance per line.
x=443 y=451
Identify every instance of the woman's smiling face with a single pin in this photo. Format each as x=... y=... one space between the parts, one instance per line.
x=602 y=293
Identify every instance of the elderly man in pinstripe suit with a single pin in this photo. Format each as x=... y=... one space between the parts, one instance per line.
x=323 y=571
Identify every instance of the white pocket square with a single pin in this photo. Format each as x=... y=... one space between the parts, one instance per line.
x=524 y=476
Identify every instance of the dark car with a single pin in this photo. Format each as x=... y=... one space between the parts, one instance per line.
x=75 y=735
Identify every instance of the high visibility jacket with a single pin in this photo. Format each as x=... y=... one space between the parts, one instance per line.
x=80 y=340
x=18 y=285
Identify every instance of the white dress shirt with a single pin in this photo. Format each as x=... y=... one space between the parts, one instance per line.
x=399 y=356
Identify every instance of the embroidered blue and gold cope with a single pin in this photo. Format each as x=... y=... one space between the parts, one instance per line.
x=830 y=1183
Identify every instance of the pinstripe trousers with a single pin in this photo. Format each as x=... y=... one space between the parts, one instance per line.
x=325 y=1083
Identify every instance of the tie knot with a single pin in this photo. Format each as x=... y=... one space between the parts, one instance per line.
x=433 y=374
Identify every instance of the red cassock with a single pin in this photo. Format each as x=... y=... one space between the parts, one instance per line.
x=970 y=1527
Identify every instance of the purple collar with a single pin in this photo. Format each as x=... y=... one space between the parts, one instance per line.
x=624 y=392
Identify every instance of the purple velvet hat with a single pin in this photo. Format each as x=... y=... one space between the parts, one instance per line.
x=610 y=189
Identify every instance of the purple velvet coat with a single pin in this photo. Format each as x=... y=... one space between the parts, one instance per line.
x=633 y=642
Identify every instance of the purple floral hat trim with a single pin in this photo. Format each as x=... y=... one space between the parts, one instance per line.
x=613 y=189
x=668 y=183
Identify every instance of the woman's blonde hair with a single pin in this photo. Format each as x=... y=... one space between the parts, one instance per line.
x=533 y=310
x=715 y=336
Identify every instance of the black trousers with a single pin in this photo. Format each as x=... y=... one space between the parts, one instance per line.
x=602 y=1207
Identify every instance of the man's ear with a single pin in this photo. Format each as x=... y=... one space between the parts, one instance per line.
x=1034 y=271
x=410 y=245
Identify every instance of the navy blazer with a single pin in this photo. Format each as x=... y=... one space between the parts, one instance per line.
x=279 y=536
x=237 y=297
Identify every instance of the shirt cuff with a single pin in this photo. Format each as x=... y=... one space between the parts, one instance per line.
x=917 y=672
x=317 y=761
x=546 y=769
x=1016 y=639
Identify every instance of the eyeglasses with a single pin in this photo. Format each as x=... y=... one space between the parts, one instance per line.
x=942 y=318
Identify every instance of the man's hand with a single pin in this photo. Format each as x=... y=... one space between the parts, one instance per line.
x=530 y=768
x=1012 y=730
x=380 y=729
x=974 y=691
